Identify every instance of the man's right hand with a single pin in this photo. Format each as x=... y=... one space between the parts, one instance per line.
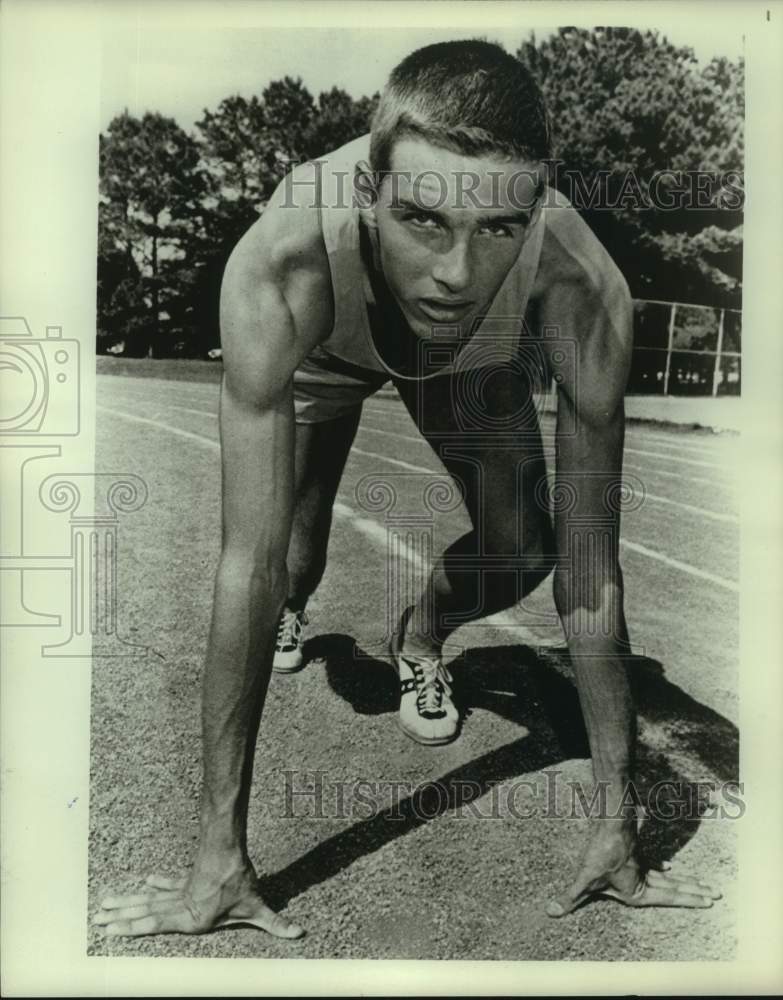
x=193 y=906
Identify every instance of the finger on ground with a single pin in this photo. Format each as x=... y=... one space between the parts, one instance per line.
x=134 y=899
x=660 y=896
x=156 y=905
x=567 y=901
x=163 y=882
x=180 y=921
x=683 y=883
x=267 y=920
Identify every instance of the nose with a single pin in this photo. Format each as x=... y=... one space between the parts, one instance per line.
x=453 y=268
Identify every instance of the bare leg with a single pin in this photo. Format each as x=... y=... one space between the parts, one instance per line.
x=321 y=453
x=511 y=542
x=499 y=483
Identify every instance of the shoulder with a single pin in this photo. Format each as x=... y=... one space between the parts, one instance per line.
x=583 y=296
x=283 y=254
x=575 y=262
x=287 y=237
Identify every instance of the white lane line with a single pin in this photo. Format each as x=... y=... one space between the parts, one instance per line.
x=370 y=529
x=393 y=434
x=633 y=546
x=636 y=451
x=395 y=461
x=183 y=409
x=652 y=470
x=387 y=406
x=186 y=409
x=711 y=448
x=167 y=387
x=638 y=436
x=154 y=399
x=677 y=564
x=378 y=534
x=153 y=380
x=691 y=508
x=550 y=456
x=678 y=458
x=729 y=485
x=715 y=515
x=407 y=437
x=638 y=548
x=648 y=471
x=200 y=438
x=687 y=460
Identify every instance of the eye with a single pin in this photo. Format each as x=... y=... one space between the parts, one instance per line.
x=422 y=220
x=497 y=230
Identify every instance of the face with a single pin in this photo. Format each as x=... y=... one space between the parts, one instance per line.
x=449 y=228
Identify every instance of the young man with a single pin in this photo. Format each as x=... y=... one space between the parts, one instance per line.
x=424 y=278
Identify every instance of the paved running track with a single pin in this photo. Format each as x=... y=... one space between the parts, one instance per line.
x=394 y=850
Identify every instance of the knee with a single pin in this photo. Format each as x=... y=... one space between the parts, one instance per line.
x=530 y=553
x=532 y=539
x=588 y=591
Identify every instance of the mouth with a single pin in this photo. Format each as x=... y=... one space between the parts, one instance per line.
x=445 y=310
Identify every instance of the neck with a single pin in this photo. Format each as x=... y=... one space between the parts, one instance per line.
x=390 y=332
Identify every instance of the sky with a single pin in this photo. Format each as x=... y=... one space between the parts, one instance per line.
x=179 y=69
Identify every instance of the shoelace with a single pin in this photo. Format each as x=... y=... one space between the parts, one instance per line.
x=433 y=680
x=289 y=628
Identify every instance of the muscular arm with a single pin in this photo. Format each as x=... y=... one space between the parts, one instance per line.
x=257 y=446
x=595 y=316
x=589 y=305
x=271 y=313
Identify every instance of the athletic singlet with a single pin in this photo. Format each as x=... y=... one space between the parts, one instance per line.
x=496 y=340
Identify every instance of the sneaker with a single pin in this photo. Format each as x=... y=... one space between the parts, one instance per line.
x=427 y=713
x=288 y=648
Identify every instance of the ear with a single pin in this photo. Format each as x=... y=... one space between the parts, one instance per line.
x=535 y=215
x=365 y=186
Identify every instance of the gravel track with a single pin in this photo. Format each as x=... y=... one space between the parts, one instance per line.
x=410 y=866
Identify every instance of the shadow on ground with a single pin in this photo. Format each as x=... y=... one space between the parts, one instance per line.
x=534 y=689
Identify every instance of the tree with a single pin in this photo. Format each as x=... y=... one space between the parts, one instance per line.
x=338 y=119
x=119 y=294
x=626 y=105
x=247 y=145
x=234 y=145
x=151 y=191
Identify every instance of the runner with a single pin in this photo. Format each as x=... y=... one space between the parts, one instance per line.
x=453 y=270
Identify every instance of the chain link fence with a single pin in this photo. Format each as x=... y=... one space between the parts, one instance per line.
x=682 y=349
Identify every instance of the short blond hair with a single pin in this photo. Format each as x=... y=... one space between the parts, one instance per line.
x=469 y=96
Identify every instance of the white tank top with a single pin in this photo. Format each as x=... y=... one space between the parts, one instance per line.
x=496 y=340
